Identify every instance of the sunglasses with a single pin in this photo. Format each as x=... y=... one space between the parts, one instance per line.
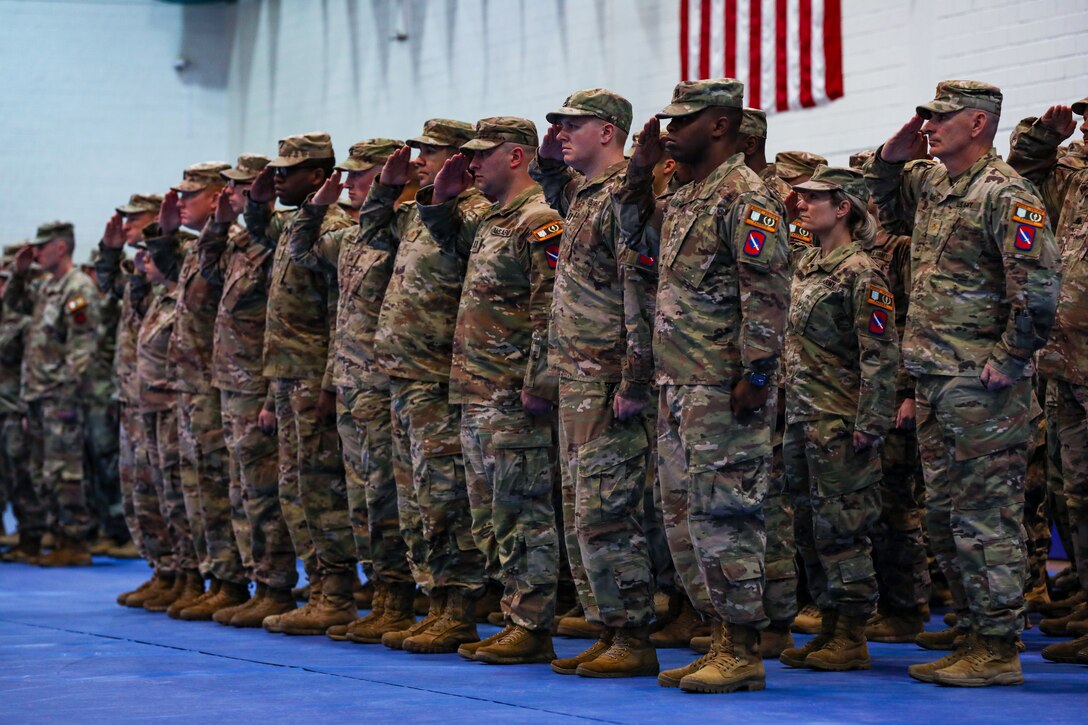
x=282 y=172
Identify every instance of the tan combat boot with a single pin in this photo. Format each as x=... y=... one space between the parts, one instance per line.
x=1066 y=652
x=455 y=627
x=679 y=632
x=894 y=625
x=924 y=672
x=1077 y=629
x=519 y=646
x=26 y=551
x=224 y=615
x=313 y=588
x=68 y=552
x=990 y=661
x=846 y=650
x=336 y=605
x=1059 y=626
x=570 y=665
x=671 y=678
x=161 y=582
x=796 y=656
x=123 y=596
x=807 y=620
x=631 y=654
x=394 y=639
x=1059 y=607
x=574 y=624
x=397 y=615
x=163 y=601
x=736 y=664
x=363 y=594
x=193 y=595
x=468 y=650
x=946 y=639
x=490 y=603
x=1037 y=596
x=253 y=613
x=228 y=596
x=774 y=640
x=126 y=550
x=339 y=632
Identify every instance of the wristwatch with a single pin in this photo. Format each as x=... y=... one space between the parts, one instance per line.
x=757 y=379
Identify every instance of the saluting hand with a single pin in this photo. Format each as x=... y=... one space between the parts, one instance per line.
x=23 y=258
x=224 y=212
x=397 y=170
x=1060 y=120
x=114 y=236
x=263 y=188
x=169 y=214
x=649 y=149
x=551 y=147
x=329 y=191
x=452 y=179
x=903 y=145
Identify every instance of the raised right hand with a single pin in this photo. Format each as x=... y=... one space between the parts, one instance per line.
x=114 y=236
x=329 y=191
x=551 y=147
x=903 y=144
x=397 y=170
x=263 y=189
x=224 y=212
x=1060 y=120
x=169 y=214
x=649 y=149
x=452 y=179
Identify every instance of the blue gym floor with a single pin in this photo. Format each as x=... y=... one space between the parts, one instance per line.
x=69 y=653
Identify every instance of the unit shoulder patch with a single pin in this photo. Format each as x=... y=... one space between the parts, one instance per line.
x=800 y=234
x=1023 y=213
x=546 y=232
x=880 y=297
x=761 y=218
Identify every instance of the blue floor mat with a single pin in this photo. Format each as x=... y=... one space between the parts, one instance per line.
x=69 y=654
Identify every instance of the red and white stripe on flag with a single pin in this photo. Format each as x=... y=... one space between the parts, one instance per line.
x=788 y=53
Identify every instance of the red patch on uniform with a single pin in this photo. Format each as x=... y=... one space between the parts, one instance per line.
x=1025 y=238
x=753 y=245
x=878 y=322
x=552 y=253
x=80 y=318
x=645 y=260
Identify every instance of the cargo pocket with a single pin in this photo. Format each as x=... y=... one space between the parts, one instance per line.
x=442 y=479
x=522 y=470
x=256 y=445
x=693 y=251
x=729 y=475
x=987 y=438
x=612 y=472
x=1004 y=566
x=857 y=569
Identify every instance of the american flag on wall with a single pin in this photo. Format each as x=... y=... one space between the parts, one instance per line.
x=788 y=53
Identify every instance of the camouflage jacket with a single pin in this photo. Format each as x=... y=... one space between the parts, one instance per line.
x=723 y=289
x=1037 y=156
x=779 y=189
x=117 y=278
x=891 y=254
x=301 y=302
x=12 y=329
x=361 y=257
x=414 y=338
x=59 y=343
x=599 y=330
x=500 y=343
x=103 y=366
x=233 y=262
x=984 y=265
x=842 y=349
x=157 y=391
x=1065 y=356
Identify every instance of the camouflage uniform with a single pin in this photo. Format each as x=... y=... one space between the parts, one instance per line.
x=984 y=290
x=599 y=345
x=500 y=350
x=296 y=360
x=413 y=345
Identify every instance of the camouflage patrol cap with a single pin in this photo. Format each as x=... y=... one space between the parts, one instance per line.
x=791 y=164
x=367 y=154
x=754 y=123
x=833 y=178
x=497 y=130
x=295 y=150
x=140 y=204
x=600 y=102
x=442 y=132
x=957 y=95
x=247 y=168
x=693 y=96
x=1079 y=107
x=200 y=176
x=53 y=230
x=861 y=158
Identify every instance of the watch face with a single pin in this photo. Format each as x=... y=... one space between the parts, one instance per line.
x=757 y=379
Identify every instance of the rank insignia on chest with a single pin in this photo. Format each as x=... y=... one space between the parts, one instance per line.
x=800 y=234
x=878 y=322
x=1025 y=238
x=760 y=218
x=552 y=253
x=753 y=243
x=880 y=297
x=546 y=232
x=1030 y=215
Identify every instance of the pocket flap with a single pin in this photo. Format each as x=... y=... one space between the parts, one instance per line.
x=990 y=437
x=533 y=438
x=618 y=445
x=437 y=448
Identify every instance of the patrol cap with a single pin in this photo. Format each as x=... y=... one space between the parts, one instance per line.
x=693 y=96
x=247 y=168
x=497 y=130
x=53 y=230
x=833 y=178
x=1079 y=107
x=957 y=95
x=791 y=164
x=295 y=150
x=861 y=158
x=600 y=102
x=200 y=176
x=141 y=203
x=367 y=154
x=442 y=132
x=754 y=123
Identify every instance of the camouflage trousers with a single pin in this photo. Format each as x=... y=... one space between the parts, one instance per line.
x=604 y=465
x=653 y=520
x=56 y=465
x=899 y=547
x=509 y=470
x=143 y=514
x=1057 y=509
x=350 y=425
x=1036 y=511
x=715 y=473
x=836 y=494
x=427 y=439
x=253 y=458
x=1072 y=419
x=100 y=466
x=780 y=562
x=161 y=437
x=15 y=472
x=973 y=444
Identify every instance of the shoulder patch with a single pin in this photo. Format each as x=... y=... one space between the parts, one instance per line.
x=878 y=323
x=800 y=234
x=1025 y=214
x=645 y=260
x=880 y=297
x=552 y=253
x=1025 y=238
x=546 y=232
x=753 y=243
x=761 y=218
x=75 y=304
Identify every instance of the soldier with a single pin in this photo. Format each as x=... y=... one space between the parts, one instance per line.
x=413 y=344
x=298 y=364
x=500 y=374
x=841 y=355
x=59 y=345
x=361 y=256
x=1063 y=359
x=718 y=328
x=983 y=295
x=600 y=349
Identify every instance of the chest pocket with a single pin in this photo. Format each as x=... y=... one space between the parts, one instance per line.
x=817 y=313
x=572 y=228
x=248 y=281
x=964 y=243
x=691 y=246
x=364 y=267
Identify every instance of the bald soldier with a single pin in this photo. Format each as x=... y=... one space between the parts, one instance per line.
x=983 y=296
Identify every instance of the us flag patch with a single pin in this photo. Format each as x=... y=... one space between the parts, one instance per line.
x=1025 y=238
x=546 y=232
x=552 y=253
x=1024 y=214
x=761 y=218
x=878 y=322
x=753 y=244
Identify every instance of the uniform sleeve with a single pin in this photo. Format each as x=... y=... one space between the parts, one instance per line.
x=638 y=214
x=211 y=245
x=107 y=270
x=1034 y=155
x=16 y=294
x=878 y=352
x=452 y=228
x=308 y=246
x=167 y=253
x=1029 y=254
x=377 y=212
x=639 y=278
x=756 y=234
x=542 y=238
x=263 y=224
x=557 y=180
x=901 y=266
x=82 y=317
x=896 y=189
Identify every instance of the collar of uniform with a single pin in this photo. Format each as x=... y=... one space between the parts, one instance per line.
x=707 y=187
x=514 y=204
x=959 y=185
x=829 y=262
x=609 y=173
